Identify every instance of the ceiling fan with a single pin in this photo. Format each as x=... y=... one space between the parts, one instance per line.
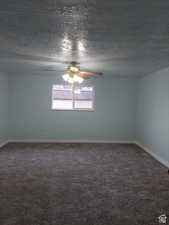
x=74 y=75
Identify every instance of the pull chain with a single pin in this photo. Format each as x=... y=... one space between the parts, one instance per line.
x=73 y=88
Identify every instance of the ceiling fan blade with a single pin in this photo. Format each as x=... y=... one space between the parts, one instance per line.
x=83 y=76
x=48 y=70
x=52 y=70
x=92 y=73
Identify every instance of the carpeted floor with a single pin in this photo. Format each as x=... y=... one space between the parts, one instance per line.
x=81 y=184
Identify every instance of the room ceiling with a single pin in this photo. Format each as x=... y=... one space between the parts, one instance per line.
x=124 y=37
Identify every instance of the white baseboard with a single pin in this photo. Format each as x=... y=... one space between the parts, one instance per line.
x=69 y=141
x=2 y=143
x=154 y=155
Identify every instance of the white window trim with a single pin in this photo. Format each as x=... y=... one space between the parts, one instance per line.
x=75 y=109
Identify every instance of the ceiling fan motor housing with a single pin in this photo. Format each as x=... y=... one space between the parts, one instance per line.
x=73 y=69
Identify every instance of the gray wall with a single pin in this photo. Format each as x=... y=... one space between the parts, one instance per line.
x=32 y=118
x=3 y=107
x=153 y=113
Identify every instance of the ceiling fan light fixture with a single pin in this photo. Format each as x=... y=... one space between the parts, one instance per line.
x=74 y=79
x=74 y=75
x=74 y=69
x=65 y=77
x=71 y=81
x=78 y=79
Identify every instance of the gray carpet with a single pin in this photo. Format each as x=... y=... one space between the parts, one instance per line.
x=81 y=184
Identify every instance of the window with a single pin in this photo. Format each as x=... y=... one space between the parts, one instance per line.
x=66 y=97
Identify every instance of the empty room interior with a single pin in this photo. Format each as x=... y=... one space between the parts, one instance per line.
x=84 y=112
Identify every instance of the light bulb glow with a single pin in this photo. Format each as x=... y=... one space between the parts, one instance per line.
x=78 y=79
x=65 y=77
x=74 y=69
x=71 y=81
x=74 y=79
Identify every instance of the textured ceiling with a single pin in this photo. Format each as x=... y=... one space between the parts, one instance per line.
x=126 y=37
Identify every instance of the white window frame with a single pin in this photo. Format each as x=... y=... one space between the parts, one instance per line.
x=75 y=109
